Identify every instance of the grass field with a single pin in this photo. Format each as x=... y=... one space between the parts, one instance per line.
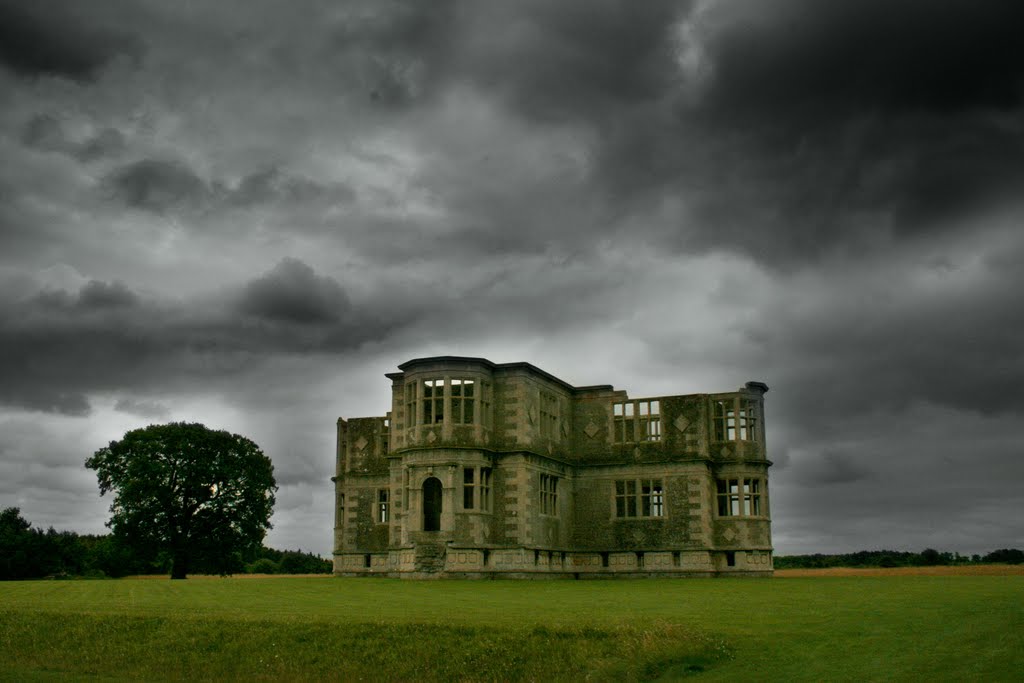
x=849 y=628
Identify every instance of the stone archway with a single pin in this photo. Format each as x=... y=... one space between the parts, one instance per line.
x=432 y=490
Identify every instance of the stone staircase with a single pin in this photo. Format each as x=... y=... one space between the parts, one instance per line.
x=430 y=557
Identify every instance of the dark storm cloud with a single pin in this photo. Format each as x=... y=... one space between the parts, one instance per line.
x=273 y=185
x=56 y=38
x=577 y=60
x=960 y=350
x=56 y=348
x=150 y=409
x=169 y=185
x=849 y=123
x=46 y=133
x=292 y=292
x=798 y=60
x=395 y=51
x=157 y=185
x=833 y=467
x=807 y=130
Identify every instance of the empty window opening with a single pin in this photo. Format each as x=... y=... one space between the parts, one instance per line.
x=548 y=494
x=487 y=556
x=676 y=559
x=536 y=557
x=463 y=392
x=433 y=401
x=410 y=404
x=485 y=489
x=640 y=559
x=639 y=498
x=730 y=558
x=635 y=421
x=739 y=497
x=468 y=488
x=604 y=559
x=476 y=488
x=383 y=506
x=366 y=560
x=432 y=492
x=735 y=419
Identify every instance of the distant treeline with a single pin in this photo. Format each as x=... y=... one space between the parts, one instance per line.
x=30 y=553
x=895 y=558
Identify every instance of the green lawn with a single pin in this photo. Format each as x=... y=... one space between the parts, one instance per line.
x=853 y=629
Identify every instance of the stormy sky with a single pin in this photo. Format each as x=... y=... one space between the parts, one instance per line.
x=244 y=213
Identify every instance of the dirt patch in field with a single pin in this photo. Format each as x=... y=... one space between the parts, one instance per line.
x=974 y=570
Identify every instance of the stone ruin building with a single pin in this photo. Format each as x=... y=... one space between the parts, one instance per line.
x=485 y=469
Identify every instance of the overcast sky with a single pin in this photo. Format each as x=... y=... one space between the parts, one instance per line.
x=245 y=212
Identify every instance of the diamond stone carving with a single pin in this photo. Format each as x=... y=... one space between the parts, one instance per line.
x=725 y=452
x=360 y=444
x=591 y=429
x=431 y=437
x=729 y=534
x=681 y=423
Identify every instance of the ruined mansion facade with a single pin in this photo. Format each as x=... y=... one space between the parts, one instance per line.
x=484 y=469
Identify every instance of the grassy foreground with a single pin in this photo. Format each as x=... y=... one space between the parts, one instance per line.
x=811 y=629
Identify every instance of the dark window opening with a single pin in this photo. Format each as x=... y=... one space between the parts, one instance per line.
x=366 y=560
x=432 y=504
x=468 y=485
x=676 y=559
x=604 y=559
x=640 y=559
x=730 y=558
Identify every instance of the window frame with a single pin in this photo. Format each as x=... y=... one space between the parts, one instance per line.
x=549 y=494
x=740 y=496
x=639 y=498
x=382 y=507
x=476 y=489
x=636 y=421
x=462 y=396
x=736 y=418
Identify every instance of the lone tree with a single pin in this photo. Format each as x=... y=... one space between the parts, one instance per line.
x=189 y=491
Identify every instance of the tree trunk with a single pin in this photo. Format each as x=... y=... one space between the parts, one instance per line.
x=179 y=566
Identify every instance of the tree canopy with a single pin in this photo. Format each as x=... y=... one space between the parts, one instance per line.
x=199 y=495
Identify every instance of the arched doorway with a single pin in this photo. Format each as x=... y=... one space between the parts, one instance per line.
x=432 y=504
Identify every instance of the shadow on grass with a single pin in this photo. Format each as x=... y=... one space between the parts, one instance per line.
x=48 y=646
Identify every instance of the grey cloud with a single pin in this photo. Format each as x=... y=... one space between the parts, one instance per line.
x=805 y=142
x=161 y=186
x=55 y=37
x=292 y=292
x=56 y=348
x=835 y=467
x=800 y=56
x=273 y=185
x=157 y=185
x=396 y=52
x=46 y=133
x=149 y=409
x=97 y=294
x=575 y=60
